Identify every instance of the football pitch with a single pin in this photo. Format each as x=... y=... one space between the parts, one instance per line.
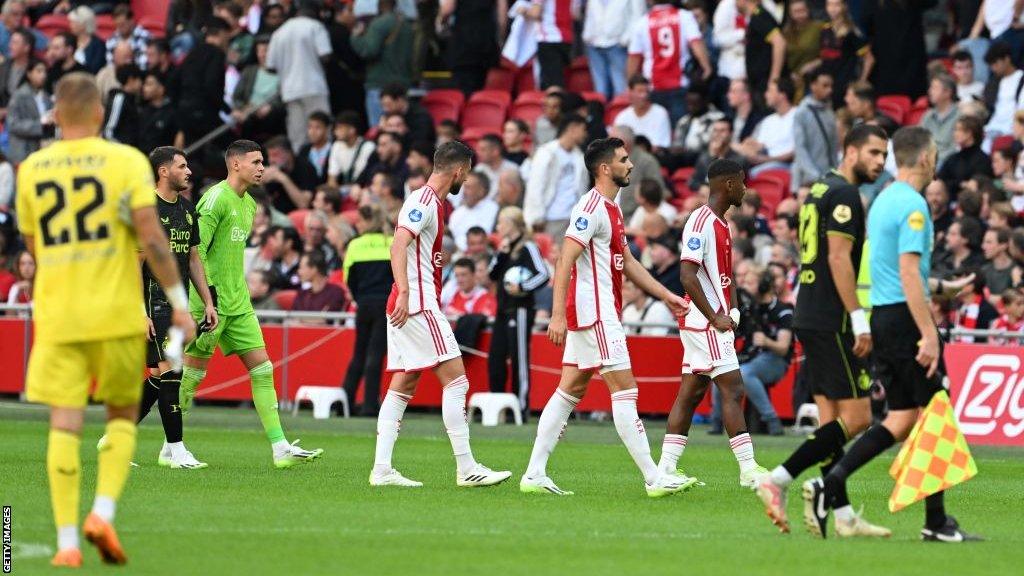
x=242 y=516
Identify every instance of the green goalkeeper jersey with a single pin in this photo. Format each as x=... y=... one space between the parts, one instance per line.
x=225 y=220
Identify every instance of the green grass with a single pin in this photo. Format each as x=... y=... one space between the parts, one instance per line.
x=241 y=516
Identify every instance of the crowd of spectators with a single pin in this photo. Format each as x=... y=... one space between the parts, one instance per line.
x=339 y=94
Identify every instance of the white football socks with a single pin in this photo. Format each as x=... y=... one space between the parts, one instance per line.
x=389 y=422
x=104 y=507
x=743 y=449
x=671 y=450
x=631 y=430
x=453 y=412
x=550 y=428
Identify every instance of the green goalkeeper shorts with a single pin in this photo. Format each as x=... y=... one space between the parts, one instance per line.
x=234 y=334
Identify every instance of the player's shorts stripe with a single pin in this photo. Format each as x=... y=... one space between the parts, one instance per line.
x=438 y=346
x=602 y=345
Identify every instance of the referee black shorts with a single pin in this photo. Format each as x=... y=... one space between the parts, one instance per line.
x=907 y=385
x=830 y=365
x=160 y=314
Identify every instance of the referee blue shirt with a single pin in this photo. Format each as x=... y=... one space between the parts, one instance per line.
x=898 y=223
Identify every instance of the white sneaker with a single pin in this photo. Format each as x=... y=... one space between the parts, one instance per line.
x=858 y=526
x=749 y=478
x=185 y=461
x=393 y=478
x=481 y=475
x=165 y=457
x=541 y=485
x=668 y=484
x=294 y=455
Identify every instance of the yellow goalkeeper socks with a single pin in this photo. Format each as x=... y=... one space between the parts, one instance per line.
x=64 y=468
x=114 y=463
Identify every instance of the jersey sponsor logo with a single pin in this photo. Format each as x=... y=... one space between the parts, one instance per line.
x=238 y=235
x=916 y=221
x=582 y=223
x=842 y=213
x=437 y=260
x=415 y=215
x=724 y=280
x=618 y=261
x=693 y=243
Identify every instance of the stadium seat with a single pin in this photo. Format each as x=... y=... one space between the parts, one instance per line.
x=1002 y=143
x=544 y=243
x=617 y=104
x=895 y=106
x=322 y=398
x=153 y=26
x=524 y=79
x=491 y=405
x=921 y=102
x=105 y=27
x=285 y=298
x=471 y=136
x=486 y=109
x=298 y=218
x=771 y=192
x=443 y=104
x=502 y=79
x=53 y=24
x=914 y=117
x=681 y=182
x=594 y=97
x=577 y=76
x=783 y=177
x=528 y=106
x=154 y=11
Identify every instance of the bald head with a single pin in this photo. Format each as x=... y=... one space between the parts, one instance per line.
x=122 y=54
x=77 y=102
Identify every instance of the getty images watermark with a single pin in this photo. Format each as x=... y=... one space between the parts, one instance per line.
x=7 y=539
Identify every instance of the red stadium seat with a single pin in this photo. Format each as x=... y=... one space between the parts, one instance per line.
x=53 y=24
x=286 y=298
x=298 y=218
x=921 y=102
x=895 y=106
x=770 y=191
x=577 y=76
x=105 y=26
x=500 y=79
x=617 y=104
x=1002 y=143
x=544 y=244
x=524 y=78
x=681 y=182
x=486 y=109
x=471 y=136
x=528 y=106
x=594 y=97
x=914 y=116
x=153 y=10
x=443 y=105
x=153 y=26
x=781 y=177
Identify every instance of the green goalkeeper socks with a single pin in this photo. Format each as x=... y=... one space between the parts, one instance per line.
x=265 y=398
x=190 y=379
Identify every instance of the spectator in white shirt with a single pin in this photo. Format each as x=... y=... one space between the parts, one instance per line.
x=350 y=152
x=729 y=38
x=1010 y=96
x=967 y=87
x=643 y=116
x=772 y=145
x=558 y=176
x=638 y=306
x=649 y=200
x=491 y=162
x=476 y=209
x=606 y=31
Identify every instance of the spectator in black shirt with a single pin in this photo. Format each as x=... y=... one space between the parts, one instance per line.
x=201 y=91
x=60 y=55
x=938 y=205
x=395 y=100
x=317 y=149
x=969 y=159
x=963 y=249
x=665 y=262
x=158 y=59
x=158 y=124
x=285 y=245
x=289 y=181
x=513 y=140
x=765 y=50
x=121 y=123
x=389 y=158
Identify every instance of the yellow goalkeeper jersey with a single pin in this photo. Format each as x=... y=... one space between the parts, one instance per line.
x=75 y=199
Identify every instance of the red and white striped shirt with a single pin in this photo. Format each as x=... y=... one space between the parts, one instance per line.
x=707 y=243
x=555 y=24
x=478 y=301
x=663 y=37
x=1005 y=324
x=422 y=215
x=595 y=283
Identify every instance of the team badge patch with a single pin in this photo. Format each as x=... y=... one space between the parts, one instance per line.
x=842 y=214
x=582 y=223
x=415 y=215
x=693 y=243
x=916 y=220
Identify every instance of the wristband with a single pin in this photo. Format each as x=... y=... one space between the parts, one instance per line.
x=177 y=297
x=859 y=321
x=735 y=315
